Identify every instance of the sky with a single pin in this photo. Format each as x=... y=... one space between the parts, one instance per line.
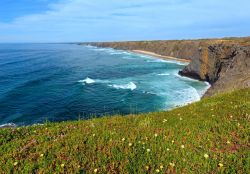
x=121 y=20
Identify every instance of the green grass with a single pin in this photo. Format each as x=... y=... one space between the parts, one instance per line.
x=163 y=142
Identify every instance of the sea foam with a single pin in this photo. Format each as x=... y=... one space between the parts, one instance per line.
x=7 y=125
x=87 y=81
x=130 y=86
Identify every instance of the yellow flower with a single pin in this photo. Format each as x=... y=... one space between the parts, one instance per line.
x=15 y=163
x=130 y=144
x=156 y=135
x=182 y=146
x=165 y=120
x=62 y=165
x=172 y=164
x=123 y=139
x=172 y=141
x=93 y=135
x=228 y=142
x=148 y=150
x=41 y=155
x=147 y=167
x=181 y=119
x=95 y=170
x=157 y=170
x=161 y=166
x=206 y=155
x=168 y=149
x=220 y=165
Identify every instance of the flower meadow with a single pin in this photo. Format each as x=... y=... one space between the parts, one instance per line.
x=210 y=136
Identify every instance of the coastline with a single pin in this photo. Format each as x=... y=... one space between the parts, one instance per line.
x=148 y=53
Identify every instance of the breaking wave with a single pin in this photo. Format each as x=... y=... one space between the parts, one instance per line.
x=130 y=86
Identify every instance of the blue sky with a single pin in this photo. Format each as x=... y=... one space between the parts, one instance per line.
x=120 y=20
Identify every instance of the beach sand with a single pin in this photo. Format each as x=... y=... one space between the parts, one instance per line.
x=160 y=56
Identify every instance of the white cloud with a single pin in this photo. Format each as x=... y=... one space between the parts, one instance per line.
x=84 y=20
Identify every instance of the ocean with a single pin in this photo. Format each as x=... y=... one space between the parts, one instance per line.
x=59 y=82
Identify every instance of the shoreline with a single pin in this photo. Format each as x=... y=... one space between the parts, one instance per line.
x=148 y=53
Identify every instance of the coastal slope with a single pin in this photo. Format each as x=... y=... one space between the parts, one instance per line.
x=224 y=63
x=210 y=136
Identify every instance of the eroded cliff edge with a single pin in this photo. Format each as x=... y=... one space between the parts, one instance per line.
x=224 y=63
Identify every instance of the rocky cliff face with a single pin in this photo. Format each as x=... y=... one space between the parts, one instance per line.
x=224 y=63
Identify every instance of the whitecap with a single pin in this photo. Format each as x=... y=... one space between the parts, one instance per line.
x=164 y=74
x=130 y=86
x=87 y=81
x=8 y=125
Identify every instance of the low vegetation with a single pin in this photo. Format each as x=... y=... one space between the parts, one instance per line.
x=211 y=136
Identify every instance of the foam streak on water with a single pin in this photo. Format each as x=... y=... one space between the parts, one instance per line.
x=57 y=82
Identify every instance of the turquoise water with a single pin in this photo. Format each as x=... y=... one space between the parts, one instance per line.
x=58 y=82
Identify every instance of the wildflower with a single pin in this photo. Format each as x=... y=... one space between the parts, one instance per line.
x=42 y=155
x=156 y=135
x=206 y=155
x=147 y=167
x=182 y=146
x=123 y=139
x=62 y=165
x=238 y=124
x=157 y=170
x=220 y=165
x=172 y=164
x=15 y=163
x=130 y=144
x=161 y=166
x=181 y=119
x=172 y=141
x=79 y=166
x=228 y=142
x=93 y=135
x=95 y=170
x=168 y=149
x=34 y=131
x=231 y=116
x=148 y=150
x=165 y=120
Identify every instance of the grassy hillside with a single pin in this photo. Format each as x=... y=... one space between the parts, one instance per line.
x=211 y=136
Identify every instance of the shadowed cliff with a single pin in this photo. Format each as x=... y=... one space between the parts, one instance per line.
x=224 y=63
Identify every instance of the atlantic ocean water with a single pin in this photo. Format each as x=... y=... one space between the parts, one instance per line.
x=58 y=82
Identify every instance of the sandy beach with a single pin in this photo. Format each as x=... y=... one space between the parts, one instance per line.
x=160 y=56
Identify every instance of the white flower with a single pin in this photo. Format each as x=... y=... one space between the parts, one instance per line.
x=182 y=146
x=206 y=155
x=148 y=150
x=95 y=170
x=172 y=164
x=157 y=170
x=165 y=120
x=123 y=139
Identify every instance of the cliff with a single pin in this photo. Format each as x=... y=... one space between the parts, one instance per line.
x=224 y=63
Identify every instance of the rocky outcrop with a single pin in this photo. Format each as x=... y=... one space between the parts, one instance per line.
x=224 y=63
